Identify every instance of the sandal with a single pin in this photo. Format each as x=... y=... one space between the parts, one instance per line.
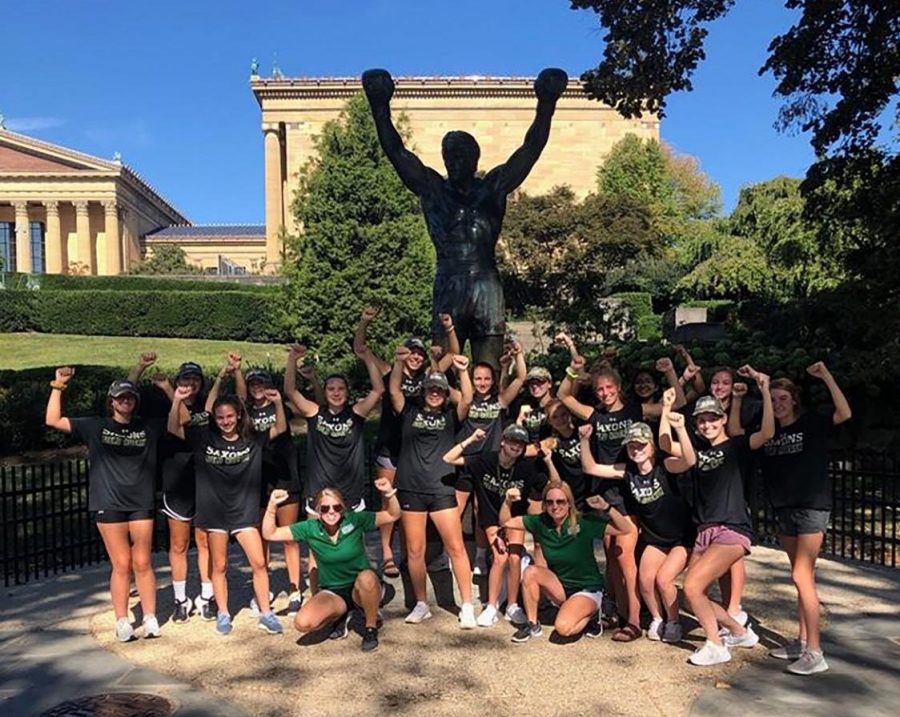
x=390 y=569
x=627 y=633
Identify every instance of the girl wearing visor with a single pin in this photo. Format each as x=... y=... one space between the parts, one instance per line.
x=122 y=452
x=426 y=483
x=667 y=533
x=387 y=443
x=491 y=473
x=335 y=444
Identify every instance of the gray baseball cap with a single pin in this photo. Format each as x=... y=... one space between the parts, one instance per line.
x=436 y=378
x=538 y=373
x=638 y=432
x=120 y=388
x=708 y=404
x=515 y=432
x=415 y=344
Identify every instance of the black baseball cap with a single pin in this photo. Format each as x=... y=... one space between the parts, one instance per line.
x=189 y=368
x=415 y=344
x=120 y=388
x=515 y=432
x=259 y=374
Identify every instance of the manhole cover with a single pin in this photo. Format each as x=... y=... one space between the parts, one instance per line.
x=118 y=704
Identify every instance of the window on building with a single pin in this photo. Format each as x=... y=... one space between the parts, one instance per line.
x=7 y=246
x=38 y=259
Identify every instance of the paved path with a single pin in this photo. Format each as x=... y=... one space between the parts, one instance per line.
x=48 y=655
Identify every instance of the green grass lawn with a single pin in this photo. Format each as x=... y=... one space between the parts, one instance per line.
x=30 y=350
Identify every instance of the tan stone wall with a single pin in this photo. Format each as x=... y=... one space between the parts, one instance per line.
x=206 y=253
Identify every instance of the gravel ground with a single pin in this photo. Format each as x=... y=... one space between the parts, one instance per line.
x=437 y=667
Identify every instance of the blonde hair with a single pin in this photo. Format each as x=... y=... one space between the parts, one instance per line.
x=333 y=492
x=573 y=511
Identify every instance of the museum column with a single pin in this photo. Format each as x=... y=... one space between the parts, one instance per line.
x=113 y=238
x=85 y=255
x=274 y=197
x=53 y=239
x=23 y=238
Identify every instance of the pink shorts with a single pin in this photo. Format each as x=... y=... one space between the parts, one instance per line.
x=708 y=535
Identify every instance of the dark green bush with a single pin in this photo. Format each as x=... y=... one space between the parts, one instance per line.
x=123 y=282
x=17 y=310
x=639 y=305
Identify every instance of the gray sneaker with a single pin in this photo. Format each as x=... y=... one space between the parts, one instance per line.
x=527 y=631
x=809 y=664
x=671 y=632
x=791 y=651
x=124 y=630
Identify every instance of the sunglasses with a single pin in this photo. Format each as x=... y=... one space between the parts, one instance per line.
x=329 y=508
x=556 y=501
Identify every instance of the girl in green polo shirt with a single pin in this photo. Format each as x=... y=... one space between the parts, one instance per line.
x=336 y=538
x=571 y=578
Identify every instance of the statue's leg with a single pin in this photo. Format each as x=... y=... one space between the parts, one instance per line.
x=488 y=349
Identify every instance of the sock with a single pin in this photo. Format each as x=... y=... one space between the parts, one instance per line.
x=206 y=591
x=178 y=587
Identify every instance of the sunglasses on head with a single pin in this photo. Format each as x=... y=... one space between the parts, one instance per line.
x=329 y=508
x=556 y=501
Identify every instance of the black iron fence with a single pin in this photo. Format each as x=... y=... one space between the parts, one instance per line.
x=47 y=529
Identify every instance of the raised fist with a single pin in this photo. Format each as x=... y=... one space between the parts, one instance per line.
x=378 y=86
x=664 y=365
x=550 y=84
x=402 y=353
x=160 y=380
x=739 y=390
x=563 y=339
x=369 y=313
x=597 y=502
x=506 y=359
x=147 y=358
x=183 y=392
x=690 y=371
x=273 y=394
x=298 y=351
x=578 y=364
x=747 y=371
x=383 y=485
x=762 y=380
x=478 y=435
x=307 y=372
x=460 y=362
x=64 y=374
x=668 y=397
x=278 y=496
x=515 y=348
x=585 y=431
x=818 y=370
x=676 y=420
x=525 y=411
x=513 y=495
x=234 y=361
x=446 y=321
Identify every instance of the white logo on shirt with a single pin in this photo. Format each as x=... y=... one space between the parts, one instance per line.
x=710 y=460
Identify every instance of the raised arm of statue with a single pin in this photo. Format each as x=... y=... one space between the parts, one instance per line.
x=379 y=88
x=548 y=86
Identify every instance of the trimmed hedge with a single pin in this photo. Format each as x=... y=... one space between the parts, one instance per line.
x=238 y=315
x=647 y=325
x=66 y=282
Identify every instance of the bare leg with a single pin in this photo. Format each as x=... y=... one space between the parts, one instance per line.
x=252 y=544
x=287 y=515
x=803 y=573
x=670 y=569
x=702 y=571
x=450 y=530
x=179 y=539
x=367 y=593
x=574 y=615
x=651 y=561
x=535 y=581
x=141 y=544
x=414 y=533
x=495 y=577
x=204 y=561
x=118 y=548
x=320 y=610
x=386 y=531
x=218 y=555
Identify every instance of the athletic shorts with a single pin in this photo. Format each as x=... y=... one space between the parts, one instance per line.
x=595 y=595
x=475 y=299
x=179 y=506
x=801 y=521
x=708 y=535
x=346 y=594
x=413 y=502
x=122 y=516
x=233 y=531
x=311 y=508
x=687 y=540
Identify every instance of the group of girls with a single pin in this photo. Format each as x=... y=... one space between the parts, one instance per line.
x=664 y=490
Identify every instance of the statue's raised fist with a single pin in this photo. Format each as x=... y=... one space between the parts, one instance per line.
x=378 y=85
x=550 y=84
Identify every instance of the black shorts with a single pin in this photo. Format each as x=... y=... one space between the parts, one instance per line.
x=346 y=594
x=122 y=516
x=290 y=486
x=489 y=517
x=611 y=490
x=424 y=502
x=179 y=506
x=685 y=541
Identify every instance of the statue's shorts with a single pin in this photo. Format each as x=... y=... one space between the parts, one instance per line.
x=473 y=299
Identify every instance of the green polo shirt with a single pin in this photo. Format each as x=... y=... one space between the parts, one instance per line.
x=570 y=557
x=342 y=559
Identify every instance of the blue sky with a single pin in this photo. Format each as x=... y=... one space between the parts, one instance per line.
x=166 y=82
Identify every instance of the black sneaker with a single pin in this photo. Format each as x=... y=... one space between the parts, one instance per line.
x=209 y=611
x=594 y=628
x=527 y=631
x=370 y=639
x=339 y=629
x=295 y=601
x=182 y=611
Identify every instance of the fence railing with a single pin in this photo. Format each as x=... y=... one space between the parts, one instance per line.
x=47 y=528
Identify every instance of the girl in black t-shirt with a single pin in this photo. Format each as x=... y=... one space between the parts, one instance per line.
x=122 y=451
x=666 y=529
x=795 y=471
x=720 y=513
x=610 y=419
x=564 y=447
x=228 y=459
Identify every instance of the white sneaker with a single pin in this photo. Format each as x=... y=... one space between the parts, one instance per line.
x=151 y=626
x=124 y=630
x=488 y=617
x=254 y=606
x=467 y=616
x=809 y=664
x=739 y=617
x=419 y=612
x=654 y=632
x=515 y=615
x=748 y=639
x=710 y=654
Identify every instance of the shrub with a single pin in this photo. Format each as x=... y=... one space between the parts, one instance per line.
x=639 y=306
x=17 y=310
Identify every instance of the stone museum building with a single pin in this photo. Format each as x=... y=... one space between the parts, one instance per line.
x=62 y=211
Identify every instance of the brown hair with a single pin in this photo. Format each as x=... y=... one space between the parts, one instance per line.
x=573 y=511
x=244 y=426
x=785 y=384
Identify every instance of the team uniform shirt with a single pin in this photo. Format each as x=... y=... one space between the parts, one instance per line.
x=388 y=441
x=718 y=487
x=335 y=453
x=664 y=516
x=610 y=427
x=341 y=560
x=485 y=413
x=229 y=479
x=427 y=436
x=178 y=480
x=491 y=481
x=566 y=455
x=570 y=556
x=536 y=423
x=795 y=463
x=279 y=466
x=123 y=461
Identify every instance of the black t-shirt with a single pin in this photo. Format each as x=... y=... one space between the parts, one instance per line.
x=280 y=457
x=664 y=516
x=485 y=413
x=795 y=463
x=536 y=423
x=229 y=478
x=566 y=455
x=491 y=480
x=123 y=461
x=176 y=456
x=389 y=438
x=610 y=427
x=335 y=451
x=427 y=436
x=718 y=487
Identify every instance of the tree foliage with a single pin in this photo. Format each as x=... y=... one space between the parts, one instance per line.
x=166 y=259
x=363 y=241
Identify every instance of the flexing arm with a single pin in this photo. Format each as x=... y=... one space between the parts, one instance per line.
x=281 y=424
x=455 y=455
x=373 y=398
x=304 y=406
x=391 y=512
x=511 y=390
x=270 y=531
x=360 y=342
x=379 y=88
x=216 y=388
x=398 y=400
x=589 y=464
x=567 y=387
x=145 y=360
x=735 y=426
x=240 y=386
x=618 y=523
x=513 y=495
x=466 y=392
x=54 y=415
x=175 y=426
x=684 y=446
x=767 y=429
x=842 y=410
x=445 y=361
x=667 y=368
x=665 y=430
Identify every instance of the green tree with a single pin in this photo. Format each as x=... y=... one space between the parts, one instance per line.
x=363 y=241
x=166 y=259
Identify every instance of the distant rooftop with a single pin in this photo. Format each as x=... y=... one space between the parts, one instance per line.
x=210 y=230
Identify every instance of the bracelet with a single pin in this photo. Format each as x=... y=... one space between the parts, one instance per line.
x=572 y=373
x=448 y=330
x=390 y=494
x=58 y=385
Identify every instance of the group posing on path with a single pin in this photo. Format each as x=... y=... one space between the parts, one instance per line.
x=656 y=474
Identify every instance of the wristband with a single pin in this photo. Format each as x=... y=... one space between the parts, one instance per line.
x=58 y=385
x=449 y=329
x=390 y=493
x=572 y=373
